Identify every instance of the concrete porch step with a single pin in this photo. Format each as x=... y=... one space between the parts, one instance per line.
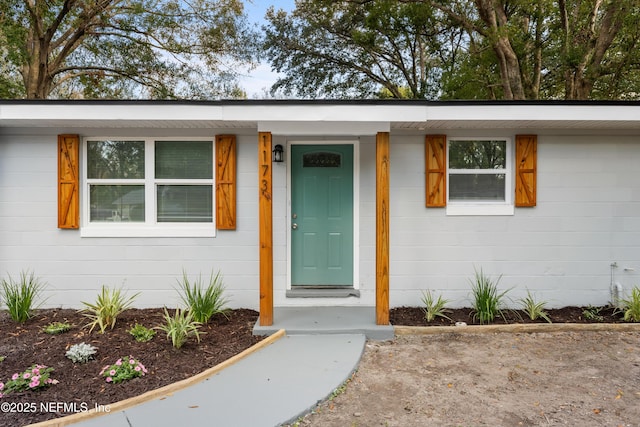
x=326 y=320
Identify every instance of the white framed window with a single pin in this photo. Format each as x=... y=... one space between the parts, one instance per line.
x=480 y=176
x=148 y=187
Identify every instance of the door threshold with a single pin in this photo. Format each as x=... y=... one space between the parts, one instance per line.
x=322 y=292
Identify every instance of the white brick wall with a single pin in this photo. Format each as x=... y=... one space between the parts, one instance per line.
x=588 y=216
x=76 y=267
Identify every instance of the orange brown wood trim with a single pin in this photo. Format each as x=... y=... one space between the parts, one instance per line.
x=436 y=170
x=382 y=228
x=265 y=214
x=526 y=170
x=68 y=181
x=226 y=182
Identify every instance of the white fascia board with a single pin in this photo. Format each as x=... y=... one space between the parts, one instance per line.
x=305 y=128
x=124 y=112
x=557 y=113
x=326 y=113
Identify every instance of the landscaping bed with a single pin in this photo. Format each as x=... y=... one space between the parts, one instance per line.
x=80 y=386
x=415 y=316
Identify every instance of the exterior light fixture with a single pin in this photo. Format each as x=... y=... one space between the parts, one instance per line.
x=278 y=154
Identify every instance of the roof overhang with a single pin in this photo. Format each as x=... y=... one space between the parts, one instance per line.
x=321 y=116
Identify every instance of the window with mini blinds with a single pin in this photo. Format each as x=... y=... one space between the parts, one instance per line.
x=149 y=181
x=147 y=186
x=476 y=176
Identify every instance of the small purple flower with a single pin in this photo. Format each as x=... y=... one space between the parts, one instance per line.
x=15 y=376
x=35 y=371
x=112 y=372
x=119 y=362
x=26 y=375
x=132 y=361
x=109 y=379
x=137 y=369
x=1 y=386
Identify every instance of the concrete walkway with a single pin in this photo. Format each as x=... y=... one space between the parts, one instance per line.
x=269 y=387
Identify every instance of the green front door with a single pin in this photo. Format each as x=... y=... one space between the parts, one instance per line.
x=322 y=215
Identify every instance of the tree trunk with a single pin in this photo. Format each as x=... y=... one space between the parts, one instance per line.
x=493 y=15
x=592 y=41
x=35 y=72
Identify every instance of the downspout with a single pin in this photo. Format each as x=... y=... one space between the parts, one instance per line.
x=615 y=288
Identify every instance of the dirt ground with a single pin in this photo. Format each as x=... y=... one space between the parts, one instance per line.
x=497 y=379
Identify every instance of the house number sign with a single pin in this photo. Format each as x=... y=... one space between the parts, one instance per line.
x=265 y=166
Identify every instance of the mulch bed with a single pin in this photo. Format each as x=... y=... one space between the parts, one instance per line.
x=414 y=316
x=80 y=385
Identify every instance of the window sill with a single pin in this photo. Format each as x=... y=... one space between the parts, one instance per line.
x=480 y=210
x=150 y=231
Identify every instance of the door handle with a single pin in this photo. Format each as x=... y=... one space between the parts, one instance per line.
x=294 y=226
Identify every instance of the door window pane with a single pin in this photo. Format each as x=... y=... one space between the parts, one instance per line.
x=111 y=203
x=184 y=159
x=185 y=203
x=115 y=159
x=321 y=160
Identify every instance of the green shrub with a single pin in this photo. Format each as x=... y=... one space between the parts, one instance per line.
x=56 y=328
x=108 y=306
x=632 y=306
x=434 y=307
x=487 y=301
x=533 y=308
x=180 y=327
x=142 y=333
x=81 y=353
x=592 y=314
x=203 y=302
x=20 y=296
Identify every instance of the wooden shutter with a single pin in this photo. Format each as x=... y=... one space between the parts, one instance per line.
x=68 y=181
x=526 y=169
x=436 y=170
x=226 y=182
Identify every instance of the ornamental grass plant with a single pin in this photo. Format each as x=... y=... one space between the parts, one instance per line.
x=632 y=306
x=108 y=306
x=180 y=327
x=203 y=301
x=533 y=308
x=487 y=300
x=20 y=296
x=433 y=307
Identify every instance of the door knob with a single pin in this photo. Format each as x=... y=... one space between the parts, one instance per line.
x=294 y=226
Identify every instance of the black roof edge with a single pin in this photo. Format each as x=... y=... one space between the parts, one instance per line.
x=315 y=102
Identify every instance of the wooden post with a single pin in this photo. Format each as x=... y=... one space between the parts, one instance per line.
x=382 y=228
x=265 y=218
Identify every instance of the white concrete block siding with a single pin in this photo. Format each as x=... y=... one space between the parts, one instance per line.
x=587 y=216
